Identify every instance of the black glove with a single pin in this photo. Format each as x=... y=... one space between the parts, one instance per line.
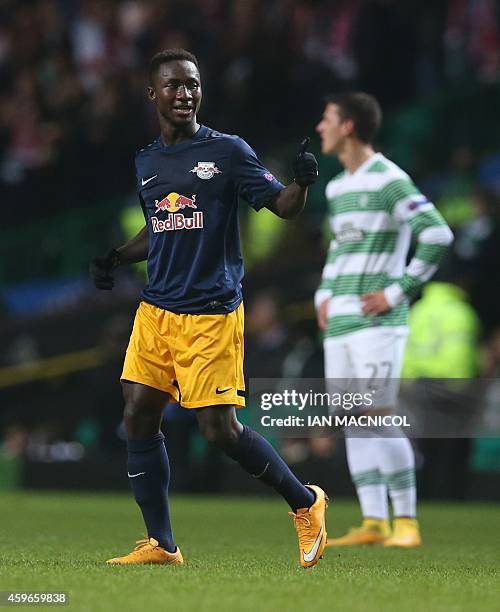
x=305 y=166
x=101 y=268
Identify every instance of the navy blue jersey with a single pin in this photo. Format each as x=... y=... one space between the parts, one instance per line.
x=189 y=193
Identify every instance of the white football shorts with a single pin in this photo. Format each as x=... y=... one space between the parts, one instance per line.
x=367 y=361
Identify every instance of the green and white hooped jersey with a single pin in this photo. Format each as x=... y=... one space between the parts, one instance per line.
x=374 y=213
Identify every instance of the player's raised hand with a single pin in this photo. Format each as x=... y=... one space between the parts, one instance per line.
x=305 y=166
x=101 y=269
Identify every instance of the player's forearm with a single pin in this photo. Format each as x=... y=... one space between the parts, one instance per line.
x=136 y=249
x=433 y=237
x=424 y=264
x=290 y=201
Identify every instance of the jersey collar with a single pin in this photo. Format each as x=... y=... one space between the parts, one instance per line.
x=366 y=164
x=199 y=135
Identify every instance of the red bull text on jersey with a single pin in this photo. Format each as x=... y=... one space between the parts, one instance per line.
x=189 y=194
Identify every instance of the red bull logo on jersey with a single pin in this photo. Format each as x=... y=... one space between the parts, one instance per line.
x=174 y=202
x=177 y=221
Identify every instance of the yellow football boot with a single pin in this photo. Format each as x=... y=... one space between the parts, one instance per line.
x=311 y=528
x=148 y=552
x=372 y=531
x=406 y=534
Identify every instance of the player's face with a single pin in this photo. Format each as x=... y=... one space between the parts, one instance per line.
x=177 y=92
x=333 y=130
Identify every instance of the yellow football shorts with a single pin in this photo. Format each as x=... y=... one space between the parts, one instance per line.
x=197 y=359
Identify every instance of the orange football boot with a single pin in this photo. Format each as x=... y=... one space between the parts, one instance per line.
x=372 y=531
x=311 y=528
x=406 y=534
x=148 y=552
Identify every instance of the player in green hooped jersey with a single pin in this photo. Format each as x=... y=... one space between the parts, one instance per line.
x=375 y=211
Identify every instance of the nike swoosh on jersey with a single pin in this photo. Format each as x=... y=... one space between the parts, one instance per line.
x=312 y=553
x=144 y=181
x=135 y=475
x=219 y=391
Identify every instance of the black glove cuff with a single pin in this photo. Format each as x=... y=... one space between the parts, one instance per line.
x=114 y=258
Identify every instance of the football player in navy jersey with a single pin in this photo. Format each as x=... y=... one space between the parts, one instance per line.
x=187 y=341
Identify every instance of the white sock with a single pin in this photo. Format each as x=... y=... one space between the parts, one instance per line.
x=367 y=478
x=396 y=462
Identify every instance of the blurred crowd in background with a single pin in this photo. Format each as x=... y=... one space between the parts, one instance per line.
x=72 y=75
x=73 y=111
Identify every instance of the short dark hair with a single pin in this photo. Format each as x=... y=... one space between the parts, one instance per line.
x=363 y=109
x=169 y=55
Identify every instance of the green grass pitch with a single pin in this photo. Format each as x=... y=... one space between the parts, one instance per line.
x=241 y=554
